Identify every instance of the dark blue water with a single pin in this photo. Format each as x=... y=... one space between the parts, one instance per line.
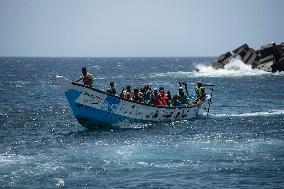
x=239 y=145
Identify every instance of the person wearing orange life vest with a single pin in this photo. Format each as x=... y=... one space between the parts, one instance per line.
x=127 y=94
x=156 y=98
x=87 y=77
x=163 y=96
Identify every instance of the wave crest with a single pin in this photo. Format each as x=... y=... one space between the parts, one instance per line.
x=235 y=68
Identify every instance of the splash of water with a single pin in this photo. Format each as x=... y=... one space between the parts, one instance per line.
x=60 y=182
x=235 y=68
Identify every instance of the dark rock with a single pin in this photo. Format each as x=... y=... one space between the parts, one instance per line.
x=278 y=66
x=248 y=55
x=270 y=49
x=227 y=60
x=253 y=61
x=265 y=63
x=251 y=57
x=282 y=48
x=219 y=62
x=265 y=67
x=245 y=47
x=242 y=53
x=224 y=57
x=269 y=58
x=217 y=65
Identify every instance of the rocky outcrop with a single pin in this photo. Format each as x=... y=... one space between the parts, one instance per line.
x=269 y=57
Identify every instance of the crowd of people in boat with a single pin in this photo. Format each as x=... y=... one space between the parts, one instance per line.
x=147 y=95
x=159 y=96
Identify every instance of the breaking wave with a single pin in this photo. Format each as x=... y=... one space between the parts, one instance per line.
x=235 y=68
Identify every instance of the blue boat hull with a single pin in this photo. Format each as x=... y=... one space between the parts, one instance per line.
x=96 y=109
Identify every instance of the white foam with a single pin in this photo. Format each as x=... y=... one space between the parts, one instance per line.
x=235 y=68
x=60 y=182
x=251 y=114
x=9 y=159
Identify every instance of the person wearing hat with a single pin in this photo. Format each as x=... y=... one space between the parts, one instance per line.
x=200 y=91
x=111 y=89
x=180 y=98
x=87 y=77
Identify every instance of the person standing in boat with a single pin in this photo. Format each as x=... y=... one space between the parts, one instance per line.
x=111 y=89
x=180 y=98
x=148 y=94
x=87 y=77
x=200 y=91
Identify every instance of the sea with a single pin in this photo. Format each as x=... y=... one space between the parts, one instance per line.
x=239 y=144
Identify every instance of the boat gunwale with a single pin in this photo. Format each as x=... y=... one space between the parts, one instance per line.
x=151 y=105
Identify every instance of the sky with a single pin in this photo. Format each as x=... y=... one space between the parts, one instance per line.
x=136 y=28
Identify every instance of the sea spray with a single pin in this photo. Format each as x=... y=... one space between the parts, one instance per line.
x=235 y=68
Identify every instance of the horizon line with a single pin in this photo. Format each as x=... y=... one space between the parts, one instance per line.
x=108 y=56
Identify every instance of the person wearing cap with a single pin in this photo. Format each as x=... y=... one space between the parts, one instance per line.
x=87 y=77
x=180 y=98
x=200 y=91
x=111 y=89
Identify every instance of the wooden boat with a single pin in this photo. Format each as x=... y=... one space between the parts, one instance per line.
x=94 y=108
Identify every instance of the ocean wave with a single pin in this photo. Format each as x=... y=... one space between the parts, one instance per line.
x=60 y=182
x=9 y=159
x=251 y=114
x=179 y=74
x=235 y=68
